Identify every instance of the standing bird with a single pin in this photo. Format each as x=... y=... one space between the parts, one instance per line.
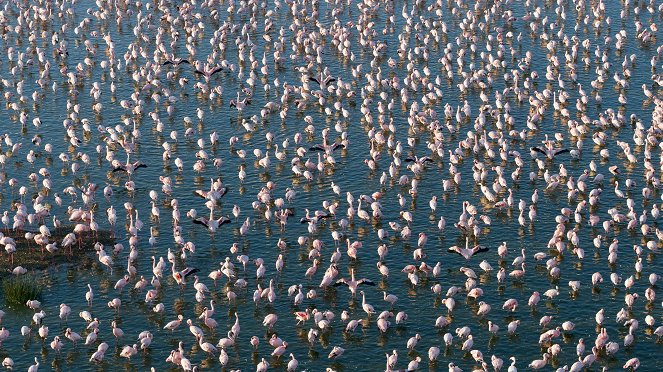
x=292 y=364
x=172 y=325
x=180 y=276
x=468 y=252
x=211 y=223
x=336 y=352
x=548 y=149
x=352 y=283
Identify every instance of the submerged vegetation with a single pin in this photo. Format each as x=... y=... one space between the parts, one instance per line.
x=20 y=289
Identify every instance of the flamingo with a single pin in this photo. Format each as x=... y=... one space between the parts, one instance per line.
x=352 y=283
x=368 y=308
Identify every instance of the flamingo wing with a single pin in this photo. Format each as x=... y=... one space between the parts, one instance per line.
x=538 y=149
x=215 y=70
x=223 y=191
x=480 y=249
x=365 y=281
x=200 y=221
x=341 y=281
x=289 y=211
x=337 y=145
x=189 y=271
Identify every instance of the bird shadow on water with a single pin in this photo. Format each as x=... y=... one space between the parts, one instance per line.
x=324 y=339
x=383 y=339
x=179 y=305
x=312 y=354
x=337 y=366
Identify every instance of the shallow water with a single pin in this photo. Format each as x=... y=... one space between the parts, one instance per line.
x=365 y=348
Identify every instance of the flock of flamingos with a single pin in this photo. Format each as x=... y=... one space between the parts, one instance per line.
x=349 y=185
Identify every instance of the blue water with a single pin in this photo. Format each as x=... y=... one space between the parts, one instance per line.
x=365 y=348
